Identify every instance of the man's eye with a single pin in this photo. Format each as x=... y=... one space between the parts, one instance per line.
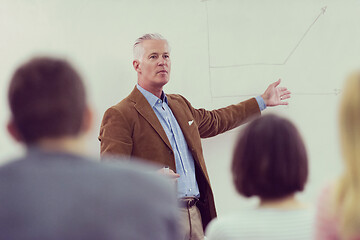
x=166 y=56
x=153 y=56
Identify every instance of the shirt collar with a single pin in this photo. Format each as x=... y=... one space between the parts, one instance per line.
x=151 y=98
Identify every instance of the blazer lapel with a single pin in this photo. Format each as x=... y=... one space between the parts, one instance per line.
x=144 y=109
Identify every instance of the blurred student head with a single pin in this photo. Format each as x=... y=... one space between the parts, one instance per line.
x=347 y=191
x=270 y=159
x=47 y=101
x=349 y=122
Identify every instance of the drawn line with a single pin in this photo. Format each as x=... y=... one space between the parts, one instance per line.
x=208 y=39
x=323 y=10
x=335 y=92
x=248 y=64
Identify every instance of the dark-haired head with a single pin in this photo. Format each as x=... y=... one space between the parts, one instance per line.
x=270 y=159
x=47 y=100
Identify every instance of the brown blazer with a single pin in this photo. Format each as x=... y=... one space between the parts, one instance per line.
x=131 y=128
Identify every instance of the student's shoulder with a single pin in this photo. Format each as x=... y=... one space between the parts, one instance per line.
x=11 y=164
x=226 y=227
x=134 y=168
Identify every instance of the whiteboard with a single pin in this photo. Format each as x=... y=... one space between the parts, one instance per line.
x=223 y=52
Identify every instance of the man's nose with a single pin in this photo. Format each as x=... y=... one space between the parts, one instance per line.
x=162 y=61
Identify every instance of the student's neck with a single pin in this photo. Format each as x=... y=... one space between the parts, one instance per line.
x=288 y=202
x=74 y=145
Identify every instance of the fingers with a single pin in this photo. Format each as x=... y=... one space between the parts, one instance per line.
x=284 y=97
x=172 y=174
x=285 y=92
x=168 y=173
x=275 y=84
x=283 y=103
x=282 y=89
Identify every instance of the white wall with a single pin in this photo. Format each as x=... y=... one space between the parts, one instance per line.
x=222 y=52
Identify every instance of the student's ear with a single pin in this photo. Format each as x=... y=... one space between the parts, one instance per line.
x=88 y=119
x=13 y=131
x=136 y=65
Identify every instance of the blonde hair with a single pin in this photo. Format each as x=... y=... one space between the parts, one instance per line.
x=347 y=191
x=138 y=50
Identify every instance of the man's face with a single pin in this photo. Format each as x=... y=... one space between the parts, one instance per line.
x=155 y=65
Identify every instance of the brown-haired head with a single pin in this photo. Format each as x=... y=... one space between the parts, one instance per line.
x=47 y=100
x=270 y=159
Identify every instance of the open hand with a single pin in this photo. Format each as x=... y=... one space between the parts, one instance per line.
x=274 y=95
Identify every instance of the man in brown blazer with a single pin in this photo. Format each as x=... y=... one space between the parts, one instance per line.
x=167 y=130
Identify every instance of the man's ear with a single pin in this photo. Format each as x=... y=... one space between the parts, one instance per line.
x=13 y=131
x=88 y=119
x=136 y=64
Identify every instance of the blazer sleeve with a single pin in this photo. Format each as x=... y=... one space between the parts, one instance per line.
x=212 y=123
x=115 y=134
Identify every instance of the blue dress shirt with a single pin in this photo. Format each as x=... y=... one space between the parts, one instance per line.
x=186 y=183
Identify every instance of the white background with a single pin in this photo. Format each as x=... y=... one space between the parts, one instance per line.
x=222 y=52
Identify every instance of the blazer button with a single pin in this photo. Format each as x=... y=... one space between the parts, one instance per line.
x=170 y=152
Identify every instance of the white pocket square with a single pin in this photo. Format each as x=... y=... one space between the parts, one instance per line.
x=191 y=122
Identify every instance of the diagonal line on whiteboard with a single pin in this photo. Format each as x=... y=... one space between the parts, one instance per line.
x=323 y=10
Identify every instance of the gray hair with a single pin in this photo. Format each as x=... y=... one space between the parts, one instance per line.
x=138 y=50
